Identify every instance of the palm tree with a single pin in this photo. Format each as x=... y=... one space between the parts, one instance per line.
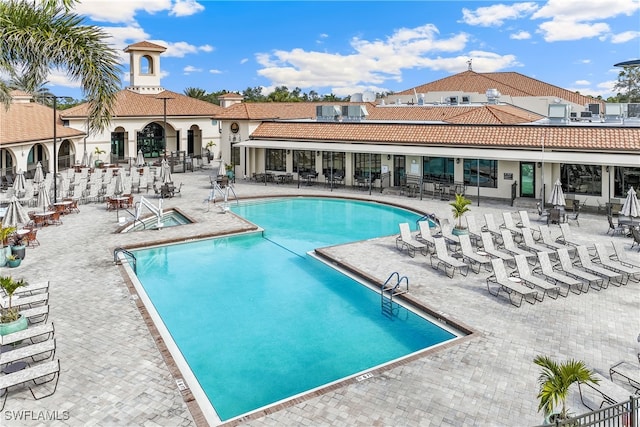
x=555 y=380
x=38 y=35
x=196 y=92
x=459 y=208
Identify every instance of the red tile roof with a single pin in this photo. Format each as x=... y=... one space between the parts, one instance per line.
x=145 y=45
x=507 y=83
x=31 y=122
x=132 y=104
x=584 y=138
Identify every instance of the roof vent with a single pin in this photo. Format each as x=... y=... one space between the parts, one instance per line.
x=354 y=113
x=492 y=96
x=559 y=113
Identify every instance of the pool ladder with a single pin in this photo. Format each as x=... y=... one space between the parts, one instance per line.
x=126 y=253
x=391 y=288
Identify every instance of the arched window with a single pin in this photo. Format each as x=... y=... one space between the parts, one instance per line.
x=146 y=65
x=151 y=141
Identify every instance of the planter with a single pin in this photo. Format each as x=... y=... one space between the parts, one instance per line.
x=15 y=326
x=19 y=251
x=4 y=252
x=13 y=263
x=459 y=231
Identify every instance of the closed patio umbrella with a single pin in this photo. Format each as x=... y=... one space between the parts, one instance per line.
x=118 y=190
x=19 y=184
x=165 y=173
x=631 y=205
x=557 y=196
x=85 y=160
x=38 y=176
x=15 y=214
x=44 y=201
x=140 y=160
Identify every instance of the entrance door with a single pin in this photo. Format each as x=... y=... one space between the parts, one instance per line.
x=399 y=172
x=528 y=179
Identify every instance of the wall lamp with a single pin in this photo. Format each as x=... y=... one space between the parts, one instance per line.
x=539 y=164
x=607 y=169
x=388 y=156
x=317 y=153
x=288 y=152
x=458 y=160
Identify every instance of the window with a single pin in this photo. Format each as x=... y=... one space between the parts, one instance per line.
x=367 y=164
x=146 y=65
x=331 y=160
x=625 y=178
x=150 y=140
x=437 y=168
x=235 y=155
x=487 y=174
x=276 y=160
x=304 y=161
x=117 y=144
x=581 y=179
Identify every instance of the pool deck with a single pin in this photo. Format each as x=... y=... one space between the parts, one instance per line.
x=113 y=369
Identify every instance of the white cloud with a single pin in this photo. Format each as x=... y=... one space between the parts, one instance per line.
x=520 y=35
x=375 y=62
x=214 y=71
x=582 y=82
x=186 y=8
x=495 y=15
x=119 y=11
x=244 y=60
x=585 y=61
x=206 y=48
x=580 y=19
x=191 y=69
x=180 y=49
x=625 y=36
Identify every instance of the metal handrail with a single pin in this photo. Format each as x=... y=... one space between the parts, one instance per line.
x=116 y=260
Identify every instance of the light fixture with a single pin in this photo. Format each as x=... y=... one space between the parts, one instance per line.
x=458 y=160
x=317 y=153
x=288 y=152
x=388 y=156
x=539 y=165
x=607 y=169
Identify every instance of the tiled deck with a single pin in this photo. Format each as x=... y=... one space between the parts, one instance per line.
x=113 y=372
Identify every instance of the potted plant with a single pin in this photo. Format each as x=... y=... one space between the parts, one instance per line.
x=98 y=152
x=10 y=319
x=5 y=249
x=13 y=261
x=555 y=380
x=459 y=207
x=209 y=146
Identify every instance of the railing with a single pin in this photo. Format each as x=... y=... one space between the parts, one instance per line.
x=116 y=260
x=388 y=289
x=623 y=414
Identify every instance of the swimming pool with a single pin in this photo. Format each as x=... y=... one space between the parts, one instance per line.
x=289 y=323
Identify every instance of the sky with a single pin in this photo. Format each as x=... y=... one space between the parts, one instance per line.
x=345 y=47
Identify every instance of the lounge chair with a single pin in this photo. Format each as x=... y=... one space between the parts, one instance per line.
x=511 y=285
x=526 y=222
x=28 y=334
x=31 y=288
x=406 y=241
x=36 y=315
x=27 y=301
x=605 y=390
x=491 y=227
x=530 y=244
x=453 y=242
x=574 y=285
x=510 y=225
x=474 y=230
x=473 y=258
x=629 y=373
x=532 y=281
x=567 y=237
x=37 y=352
x=594 y=281
x=510 y=246
x=489 y=248
x=33 y=374
x=424 y=235
x=442 y=259
x=632 y=273
x=549 y=241
x=599 y=270
x=620 y=255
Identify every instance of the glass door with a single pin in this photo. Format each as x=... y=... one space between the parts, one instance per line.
x=399 y=172
x=528 y=179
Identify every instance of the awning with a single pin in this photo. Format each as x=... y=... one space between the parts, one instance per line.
x=458 y=152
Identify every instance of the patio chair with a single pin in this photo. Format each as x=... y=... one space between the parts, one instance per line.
x=568 y=239
x=574 y=218
x=615 y=229
x=511 y=285
x=491 y=227
x=605 y=390
x=553 y=217
x=489 y=248
x=406 y=241
x=473 y=258
x=510 y=246
x=620 y=255
x=453 y=242
x=510 y=225
x=586 y=263
x=31 y=238
x=529 y=279
x=474 y=230
x=442 y=259
x=424 y=235
x=574 y=285
x=526 y=222
x=635 y=233
x=595 y=282
x=632 y=273
x=34 y=374
x=549 y=241
x=530 y=244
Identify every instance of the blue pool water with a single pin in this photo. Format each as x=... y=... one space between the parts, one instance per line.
x=259 y=321
x=170 y=218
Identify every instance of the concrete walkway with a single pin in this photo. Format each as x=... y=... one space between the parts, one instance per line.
x=114 y=374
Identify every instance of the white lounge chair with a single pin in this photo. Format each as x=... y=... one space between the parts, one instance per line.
x=530 y=244
x=424 y=235
x=511 y=285
x=525 y=221
x=489 y=248
x=529 y=279
x=510 y=225
x=568 y=238
x=622 y=256
x=473 y=258
x=586 y=263
x=406 y=241
x=510 y=246
x=491 y=227
x=574 y=285
x=549 y=241
x=632 y=273
x=442 y=259
x=475 y=232
x=596 y=282
x=35 y=374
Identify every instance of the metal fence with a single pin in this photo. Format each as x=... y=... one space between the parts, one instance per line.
x=623 y=414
